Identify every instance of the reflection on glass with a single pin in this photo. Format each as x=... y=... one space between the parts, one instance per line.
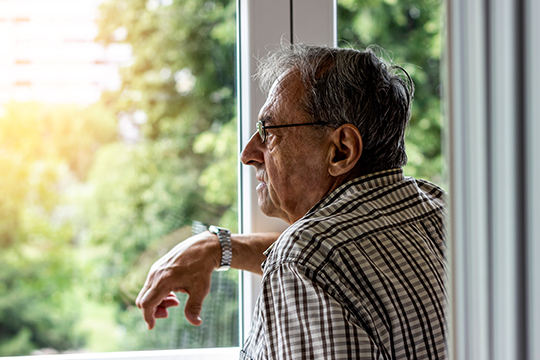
x=117 y=130
x=411 y=35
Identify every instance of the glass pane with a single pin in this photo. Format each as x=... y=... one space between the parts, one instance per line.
x=117 y=131
x=410 y=33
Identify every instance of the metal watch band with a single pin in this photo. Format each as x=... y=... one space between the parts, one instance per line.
x=224 y=236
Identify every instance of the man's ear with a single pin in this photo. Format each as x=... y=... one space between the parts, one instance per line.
x=345 y=150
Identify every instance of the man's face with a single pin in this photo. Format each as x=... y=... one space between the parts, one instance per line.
x=291 y=163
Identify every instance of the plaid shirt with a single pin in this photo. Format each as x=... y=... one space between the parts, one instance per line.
x=360 y=276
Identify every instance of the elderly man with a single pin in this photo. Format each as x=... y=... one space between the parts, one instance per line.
x=360 y=271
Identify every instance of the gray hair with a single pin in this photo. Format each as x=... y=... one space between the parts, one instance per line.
x=347 y=86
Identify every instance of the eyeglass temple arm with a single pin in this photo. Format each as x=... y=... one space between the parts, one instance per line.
x=291 y=125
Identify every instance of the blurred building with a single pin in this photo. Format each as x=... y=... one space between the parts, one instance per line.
x=48 y=53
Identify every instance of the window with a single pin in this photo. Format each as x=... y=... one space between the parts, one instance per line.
x=119 y=142
x=96 y=171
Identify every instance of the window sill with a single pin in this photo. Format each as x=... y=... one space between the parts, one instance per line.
x=185 y=354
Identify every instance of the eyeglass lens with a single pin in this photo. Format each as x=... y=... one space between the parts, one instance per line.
x=262 y=132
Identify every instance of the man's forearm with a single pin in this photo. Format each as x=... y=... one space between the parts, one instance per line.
x=248 y=250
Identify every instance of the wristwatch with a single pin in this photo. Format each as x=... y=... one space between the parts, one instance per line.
x=224 y=236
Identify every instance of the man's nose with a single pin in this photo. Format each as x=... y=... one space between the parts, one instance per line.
x=252 y=153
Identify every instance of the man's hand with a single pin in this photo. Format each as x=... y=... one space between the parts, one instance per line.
x=186 y=268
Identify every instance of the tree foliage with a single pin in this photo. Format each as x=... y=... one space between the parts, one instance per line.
x=43 y=150
x=179 y=91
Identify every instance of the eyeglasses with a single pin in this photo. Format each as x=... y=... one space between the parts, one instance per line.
x=262 y=128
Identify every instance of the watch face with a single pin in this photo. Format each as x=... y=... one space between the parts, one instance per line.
x=216 y=230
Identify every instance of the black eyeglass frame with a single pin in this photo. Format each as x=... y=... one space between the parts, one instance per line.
x=261 y=128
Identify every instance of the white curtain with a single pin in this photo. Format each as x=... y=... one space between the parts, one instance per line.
x=493 y=112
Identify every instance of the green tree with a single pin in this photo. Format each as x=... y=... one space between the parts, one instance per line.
x=179 y=91
x=43 y=150
x=183 y=90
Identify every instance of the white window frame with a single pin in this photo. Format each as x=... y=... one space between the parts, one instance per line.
x=183 y=354
x=261 y=25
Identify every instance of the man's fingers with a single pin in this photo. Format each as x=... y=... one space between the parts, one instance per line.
x=161 y=313
x=193 y=308
x=168 y=302
x=144 y=290
x=140 y=296
x=149 y=303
